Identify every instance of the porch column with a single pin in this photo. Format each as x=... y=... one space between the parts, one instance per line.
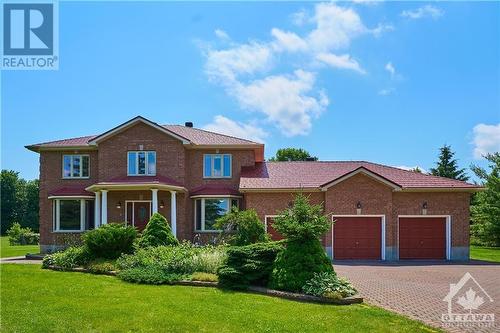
x=104 y=210
x=97 y=209
x=154 y=200
x=173 y=212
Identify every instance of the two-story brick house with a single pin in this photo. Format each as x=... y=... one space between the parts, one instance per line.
x=192 y=176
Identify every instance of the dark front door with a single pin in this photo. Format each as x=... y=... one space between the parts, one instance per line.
x=141 y=214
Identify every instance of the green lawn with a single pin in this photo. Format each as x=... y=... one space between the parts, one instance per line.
x=6 y=250
x=36 y=300
x=485 y=253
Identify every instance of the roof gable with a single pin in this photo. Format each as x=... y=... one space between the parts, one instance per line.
x=134 y=121
x=366 y=172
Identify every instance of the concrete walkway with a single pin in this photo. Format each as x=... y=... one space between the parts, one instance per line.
x=19 y=260
x=417 y=288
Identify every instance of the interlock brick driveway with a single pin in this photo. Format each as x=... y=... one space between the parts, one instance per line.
x=416 y=289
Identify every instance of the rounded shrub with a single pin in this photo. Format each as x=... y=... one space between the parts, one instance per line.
x=298 y=263
x=241 y=227
x=110 y=240
x=157 y=233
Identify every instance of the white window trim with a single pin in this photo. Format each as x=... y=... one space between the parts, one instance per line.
x=222 y=166
x=136 y=152
x=71 y=167
x=229 y=199
x=57 y=216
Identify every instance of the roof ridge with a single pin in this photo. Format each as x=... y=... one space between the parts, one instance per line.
x=199 y=129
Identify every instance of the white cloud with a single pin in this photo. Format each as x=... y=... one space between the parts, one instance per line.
x=224 y=125
x=390 y=68
x=227 y=64
x=408 y=168
x=422 y=12
x=343 y=61
x=287 y=41
x=299 y=18
x=486 y=139
x=367 y=2
x=385 y=92
x=221 y=34
x=287 y=101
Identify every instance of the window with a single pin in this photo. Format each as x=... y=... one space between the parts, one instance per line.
x=141 y=163
x=217 y=165
x=76 y=166
x=207 y=210
x=73 y=215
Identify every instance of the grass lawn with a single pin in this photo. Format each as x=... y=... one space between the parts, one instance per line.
x=485 y=253
x=6 y=250
x=42 y=300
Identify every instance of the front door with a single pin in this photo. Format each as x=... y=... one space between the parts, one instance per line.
x=141 y=214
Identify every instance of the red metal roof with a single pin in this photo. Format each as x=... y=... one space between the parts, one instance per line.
x=74 y=191
x=214 y=190
x=293 y=175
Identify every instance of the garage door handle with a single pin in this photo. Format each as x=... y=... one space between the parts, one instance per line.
x=357 y=243
x=421 y=242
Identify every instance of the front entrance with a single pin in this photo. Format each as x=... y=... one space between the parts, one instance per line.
x=138 y=213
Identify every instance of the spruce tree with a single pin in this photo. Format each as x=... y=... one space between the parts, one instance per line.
x=447 y=166
x=157 y=233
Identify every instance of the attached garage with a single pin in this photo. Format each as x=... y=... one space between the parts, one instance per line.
x=358 y=237
x=423 y=237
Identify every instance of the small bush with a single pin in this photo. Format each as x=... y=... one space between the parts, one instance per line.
x=22 y=236
x=150 y=275
x=298 y=263
x=206 y=277
x=328 y=285
x=248 y=265
x=241 y=227
x=110 y=240
x=70 y=258
x=101 y=266
x=157 y=233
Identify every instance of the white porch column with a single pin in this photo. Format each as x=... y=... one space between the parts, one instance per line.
x=104 y=210
x=154 y=200
x=97 y=209
x=173 y=212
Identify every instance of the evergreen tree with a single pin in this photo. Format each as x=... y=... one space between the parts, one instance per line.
x=486 y=204
x=447 y=166
x=157 y=233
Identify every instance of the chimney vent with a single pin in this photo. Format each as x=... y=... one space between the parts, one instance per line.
x=188 y=124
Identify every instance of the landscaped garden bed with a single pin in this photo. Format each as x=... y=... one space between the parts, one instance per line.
x=296 y=268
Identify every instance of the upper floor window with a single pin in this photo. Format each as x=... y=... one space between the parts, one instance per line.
x=76 y=166
x=217 y=166
x=141 y=163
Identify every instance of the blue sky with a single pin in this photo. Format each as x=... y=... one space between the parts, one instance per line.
x=385 y=82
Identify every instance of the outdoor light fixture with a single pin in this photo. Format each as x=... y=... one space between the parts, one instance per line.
x=119 y=205
x=162 y=204
x=424 y=205
x=358 y=205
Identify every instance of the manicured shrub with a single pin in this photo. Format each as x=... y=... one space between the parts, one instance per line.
x=298 y=263
x=241 y=227
x=167 y=261
x=248 y=265
x=157 y=233
x=22 y=236
x=110 y=240
x=70 y=258
x=328 y=285
x=206 y=277
x=150 y=275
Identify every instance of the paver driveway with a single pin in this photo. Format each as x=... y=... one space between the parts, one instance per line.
x=416 y=289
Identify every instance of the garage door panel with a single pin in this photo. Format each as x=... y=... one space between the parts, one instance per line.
x=357 y=238
x=422 y=238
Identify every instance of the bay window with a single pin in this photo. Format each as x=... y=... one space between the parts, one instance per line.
x=217 y=166
x=76 y=166
x=141 y=163
x=73 y=215
x=208 y=210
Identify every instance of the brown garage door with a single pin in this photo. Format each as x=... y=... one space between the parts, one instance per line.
x=422 y=238
x=357 y=238
x=270 y=230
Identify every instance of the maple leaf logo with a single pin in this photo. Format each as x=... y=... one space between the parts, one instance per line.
x=470 y=301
